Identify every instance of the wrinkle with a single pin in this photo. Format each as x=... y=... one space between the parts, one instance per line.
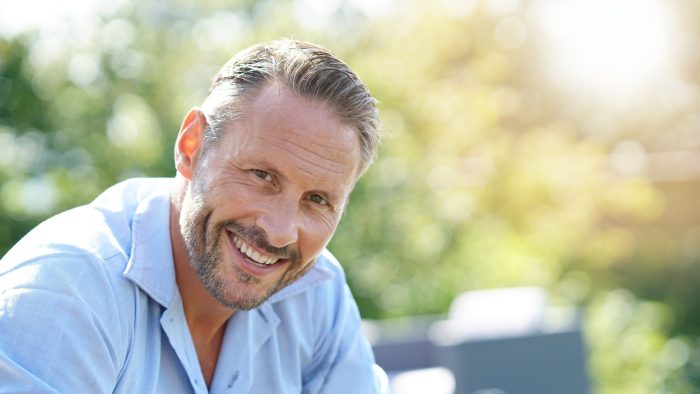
x=313 y=142
x=308 y=161
x=310 y=143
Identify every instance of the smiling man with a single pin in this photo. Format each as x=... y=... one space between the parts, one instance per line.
x=217 y=280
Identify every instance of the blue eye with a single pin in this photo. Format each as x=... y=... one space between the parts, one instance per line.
x=264 y=175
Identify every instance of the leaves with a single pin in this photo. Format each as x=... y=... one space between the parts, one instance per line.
x=488 y=176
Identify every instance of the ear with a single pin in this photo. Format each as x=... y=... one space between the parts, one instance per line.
x=189 y=142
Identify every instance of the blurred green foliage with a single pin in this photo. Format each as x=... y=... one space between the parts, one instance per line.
x=486 y=178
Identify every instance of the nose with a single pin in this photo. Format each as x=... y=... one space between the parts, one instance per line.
x=279 y=221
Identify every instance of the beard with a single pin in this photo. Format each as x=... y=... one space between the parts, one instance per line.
x=204 y=246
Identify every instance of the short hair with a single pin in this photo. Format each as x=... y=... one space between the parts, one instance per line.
x=308 y=70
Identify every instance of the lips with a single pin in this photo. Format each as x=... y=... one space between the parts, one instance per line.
x=251 y=259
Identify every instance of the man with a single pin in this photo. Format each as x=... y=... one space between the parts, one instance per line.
x=217 y=280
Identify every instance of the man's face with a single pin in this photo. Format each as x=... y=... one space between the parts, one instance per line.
x=265 y=199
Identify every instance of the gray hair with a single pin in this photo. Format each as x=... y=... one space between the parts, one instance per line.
x=307 y=69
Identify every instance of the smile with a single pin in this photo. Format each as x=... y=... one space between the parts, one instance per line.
x=253 y=254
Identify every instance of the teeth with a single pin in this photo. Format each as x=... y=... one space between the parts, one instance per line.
x=254 y=255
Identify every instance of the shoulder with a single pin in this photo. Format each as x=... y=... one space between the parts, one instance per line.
x=320 y=301
x=101 y=230
x=327 y=261
x=62 y=288
x=325 y=323
x=71 y=253
x=76 y=259
x=54 y=285
x=53 y=305
x=333 y=293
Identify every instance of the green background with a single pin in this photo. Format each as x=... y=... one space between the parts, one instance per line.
x=488 y=176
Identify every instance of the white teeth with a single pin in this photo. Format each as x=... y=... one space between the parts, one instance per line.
x=254 y=255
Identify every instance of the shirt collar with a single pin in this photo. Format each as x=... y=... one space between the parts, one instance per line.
x=316 y=275
x=151 y=264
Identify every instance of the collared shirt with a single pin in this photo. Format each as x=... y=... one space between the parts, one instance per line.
x=89 y=303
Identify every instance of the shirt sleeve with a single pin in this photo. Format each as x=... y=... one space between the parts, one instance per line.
x=59 y=327
x=343 y=359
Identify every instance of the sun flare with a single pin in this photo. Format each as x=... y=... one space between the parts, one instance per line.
x=610 y=49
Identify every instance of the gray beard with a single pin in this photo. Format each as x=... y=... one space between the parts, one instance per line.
x=205 y=256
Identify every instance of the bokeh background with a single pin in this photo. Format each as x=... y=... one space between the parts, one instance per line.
x=551 y=143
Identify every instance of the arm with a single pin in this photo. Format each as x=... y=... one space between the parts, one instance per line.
x=58 y=324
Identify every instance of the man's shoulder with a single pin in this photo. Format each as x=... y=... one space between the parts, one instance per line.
x=43 y=291
x=84 y=247
x=101 y=229
x=72 y=254
x=327 y=261
x=322 y=320
x=334 y=290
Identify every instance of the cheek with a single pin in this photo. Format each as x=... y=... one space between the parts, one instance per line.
x=318 y=236
x=233 y=198
x=192 y=207
x=325 y=223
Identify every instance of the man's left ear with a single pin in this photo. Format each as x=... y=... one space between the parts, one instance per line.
x=190 y=140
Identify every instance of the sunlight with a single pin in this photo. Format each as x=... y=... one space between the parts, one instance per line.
x=19 y=17
x=611 y=49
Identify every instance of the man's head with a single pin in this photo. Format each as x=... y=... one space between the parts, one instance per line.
x=308 y=70
x=269 y=163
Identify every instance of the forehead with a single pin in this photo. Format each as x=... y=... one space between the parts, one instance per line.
x=295 y=133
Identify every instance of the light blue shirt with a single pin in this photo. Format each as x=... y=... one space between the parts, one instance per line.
x=89 y=303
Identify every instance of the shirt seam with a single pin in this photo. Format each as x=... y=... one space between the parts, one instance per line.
x=121 y=320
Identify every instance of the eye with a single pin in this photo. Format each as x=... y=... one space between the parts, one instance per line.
x=317 y=199
x=264 y=175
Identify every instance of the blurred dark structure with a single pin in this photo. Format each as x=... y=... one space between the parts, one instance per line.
x=543 y=359
x=546 y=363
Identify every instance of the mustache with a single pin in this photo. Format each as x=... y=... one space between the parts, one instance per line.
x=256 y=237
